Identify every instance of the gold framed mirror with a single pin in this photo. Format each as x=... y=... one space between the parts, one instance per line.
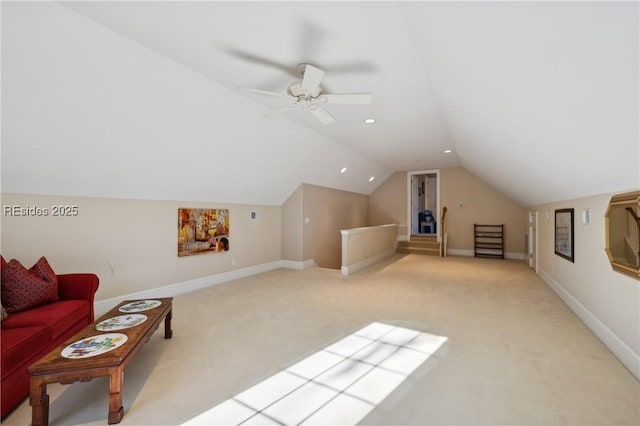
x=622 y=233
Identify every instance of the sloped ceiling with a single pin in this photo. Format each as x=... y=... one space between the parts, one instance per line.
x=140 y=99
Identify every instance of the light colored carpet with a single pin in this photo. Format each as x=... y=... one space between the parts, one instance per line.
x=515 y=353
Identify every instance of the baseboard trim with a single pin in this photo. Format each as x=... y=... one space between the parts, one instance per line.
x=348 y=270
x=297 y=265
x=459 y=252
x=470 y=253
x=620 y=349
x=103 y=306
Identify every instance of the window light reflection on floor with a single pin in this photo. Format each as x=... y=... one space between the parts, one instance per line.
x=338 y=385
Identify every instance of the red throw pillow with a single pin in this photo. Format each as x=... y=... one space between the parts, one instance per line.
x=43 y=270
x=23 y=289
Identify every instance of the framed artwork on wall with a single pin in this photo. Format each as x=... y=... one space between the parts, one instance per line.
x=563 y=233
x=202 y=231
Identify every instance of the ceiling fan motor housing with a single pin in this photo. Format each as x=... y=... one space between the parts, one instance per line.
x=295 y=89
x=307 y=93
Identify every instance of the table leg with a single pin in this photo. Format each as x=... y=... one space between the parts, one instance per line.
x=168 y=332
x=116 y=411
x=39 y=401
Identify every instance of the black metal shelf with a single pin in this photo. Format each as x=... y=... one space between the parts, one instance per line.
x=488 y=241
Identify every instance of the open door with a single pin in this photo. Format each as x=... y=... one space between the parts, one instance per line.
x=415 y=204
x=533 y=240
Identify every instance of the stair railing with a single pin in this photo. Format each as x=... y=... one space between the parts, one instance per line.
x=443 y=236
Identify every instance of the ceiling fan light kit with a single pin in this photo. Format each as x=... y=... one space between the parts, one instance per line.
x=308 y=94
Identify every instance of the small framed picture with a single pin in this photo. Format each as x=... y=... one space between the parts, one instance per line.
x=563 y=235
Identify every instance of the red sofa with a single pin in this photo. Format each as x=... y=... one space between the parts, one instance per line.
x=28 y=335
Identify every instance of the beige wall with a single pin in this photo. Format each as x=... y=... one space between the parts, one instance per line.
x=482 y=205
x=329 y=211
x=607 y=301
x=132 y=244
x=292 y=226
x=388 y=203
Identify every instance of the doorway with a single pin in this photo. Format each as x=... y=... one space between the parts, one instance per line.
x=423 y=202
x=533 y=240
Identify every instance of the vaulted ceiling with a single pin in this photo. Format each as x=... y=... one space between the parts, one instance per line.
x=140 y=99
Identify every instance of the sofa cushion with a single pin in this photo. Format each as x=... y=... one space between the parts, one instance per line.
x=18 y=343
x=23 y=289
x=57 y=317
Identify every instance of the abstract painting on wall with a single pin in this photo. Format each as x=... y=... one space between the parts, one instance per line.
x=202 y=231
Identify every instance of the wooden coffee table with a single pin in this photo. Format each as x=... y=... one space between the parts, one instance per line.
x=82 y=366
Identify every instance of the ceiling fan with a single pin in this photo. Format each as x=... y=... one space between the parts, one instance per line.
x=308 y=94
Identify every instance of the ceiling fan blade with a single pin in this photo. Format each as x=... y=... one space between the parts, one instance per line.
x=347 y=98
x=264 y=92
x=322 y=114
x=353 y=67
x=312 y=78
x=260 y=60
x=279 y=111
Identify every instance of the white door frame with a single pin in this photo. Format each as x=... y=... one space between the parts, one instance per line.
x=532 y=255
x=437 y=212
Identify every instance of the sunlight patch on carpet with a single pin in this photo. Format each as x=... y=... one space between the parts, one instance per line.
x=338 y=385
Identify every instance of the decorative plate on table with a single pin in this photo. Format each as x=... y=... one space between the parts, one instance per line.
x=94 y=345
x=140 y=305
x=121 y=322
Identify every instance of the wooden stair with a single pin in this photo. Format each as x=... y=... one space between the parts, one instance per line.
x=419 y=244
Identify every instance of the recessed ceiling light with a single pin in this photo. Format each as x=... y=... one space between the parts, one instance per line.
x=371 y=179
x=370 y=120
x=447 y=151
x=344 y=169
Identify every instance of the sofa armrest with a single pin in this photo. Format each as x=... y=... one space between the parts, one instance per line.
x=78 y=287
